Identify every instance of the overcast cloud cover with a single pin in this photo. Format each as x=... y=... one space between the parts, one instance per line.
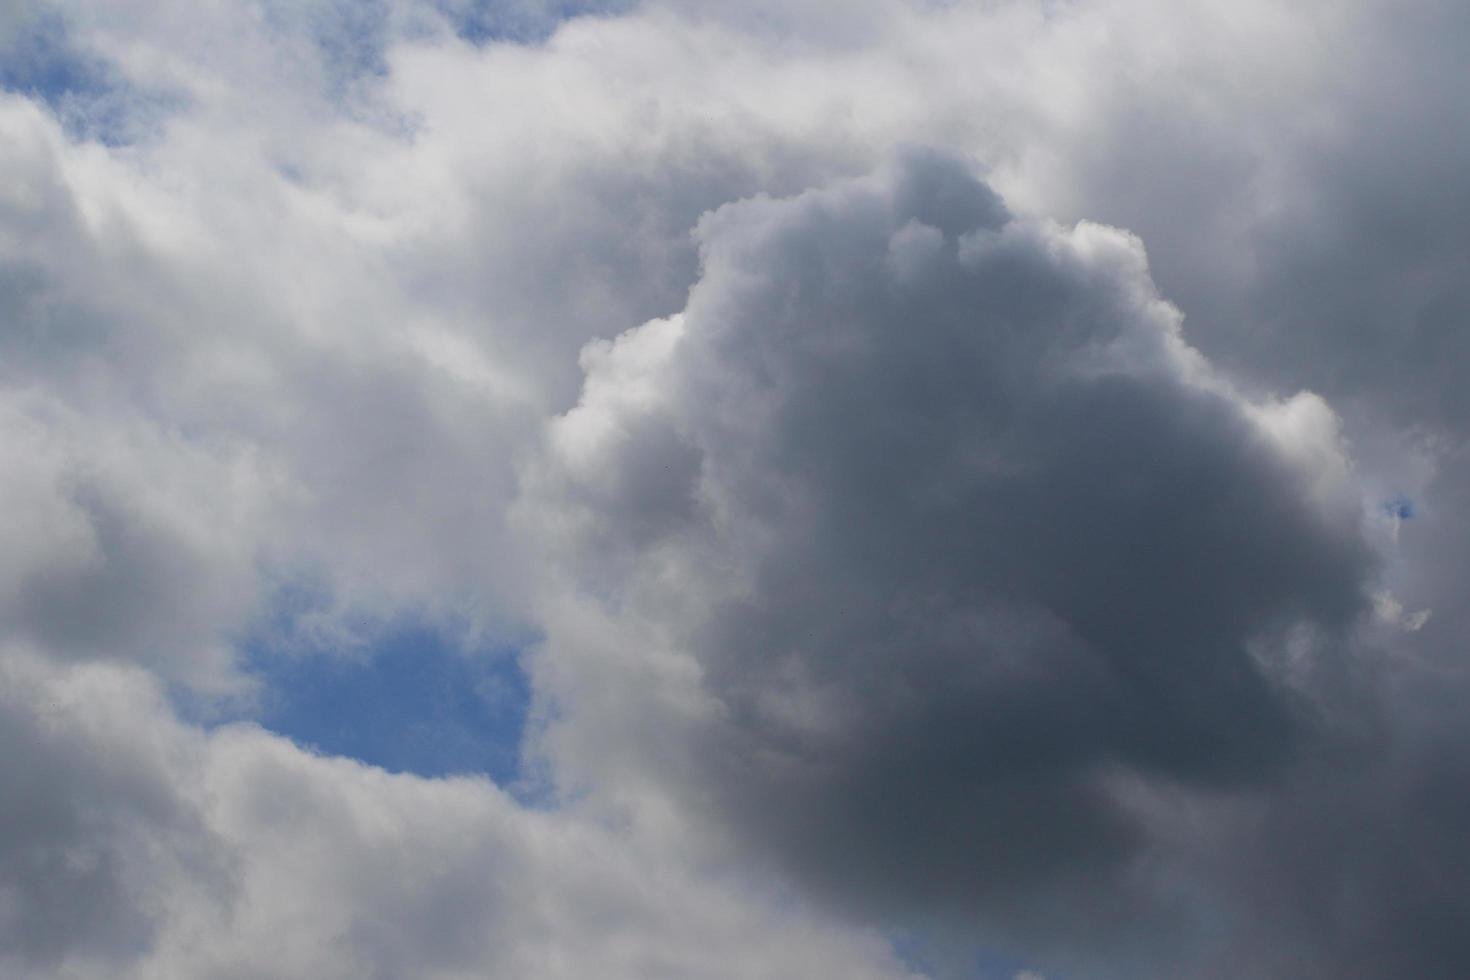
x=954 y=489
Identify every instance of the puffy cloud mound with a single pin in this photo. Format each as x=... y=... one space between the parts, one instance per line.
x=132 y=846
x=921 y=540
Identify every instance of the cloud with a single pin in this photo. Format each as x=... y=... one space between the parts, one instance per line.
x=907 y=555
x=133 y=846
x=953 y=536
x=98 y=837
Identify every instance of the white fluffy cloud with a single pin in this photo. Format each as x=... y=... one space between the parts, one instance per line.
x=138 y=847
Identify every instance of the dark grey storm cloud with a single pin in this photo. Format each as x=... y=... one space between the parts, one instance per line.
x=963 y=538
x=1320 y=239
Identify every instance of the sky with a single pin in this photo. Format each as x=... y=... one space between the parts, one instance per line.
x=890 y=490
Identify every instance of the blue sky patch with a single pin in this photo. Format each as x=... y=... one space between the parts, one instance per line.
x=38 y=59
x=413 y=701
x=521 y=21
x=1400 y=507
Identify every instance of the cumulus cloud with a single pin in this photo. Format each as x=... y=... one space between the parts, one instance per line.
x=956 y=535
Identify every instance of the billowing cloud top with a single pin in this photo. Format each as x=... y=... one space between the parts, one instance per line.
x=915 y=489
x=959 y=540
